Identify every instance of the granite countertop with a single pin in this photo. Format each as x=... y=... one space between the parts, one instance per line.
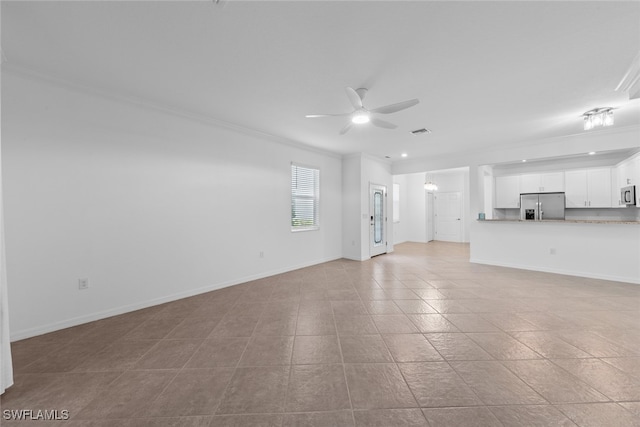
x=573 y=221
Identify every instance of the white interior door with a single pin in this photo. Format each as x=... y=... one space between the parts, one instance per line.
x=378 y=220
x=449 y=216
x=430 y=219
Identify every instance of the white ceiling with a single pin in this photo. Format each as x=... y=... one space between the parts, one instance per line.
x=488 y=74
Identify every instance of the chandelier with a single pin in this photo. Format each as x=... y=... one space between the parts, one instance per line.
x=598 y=117
x=429 y=185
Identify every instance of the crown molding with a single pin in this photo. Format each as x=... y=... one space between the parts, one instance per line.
x=630 y=82
x=363 y=155
x=453 y=160
x=145 y=104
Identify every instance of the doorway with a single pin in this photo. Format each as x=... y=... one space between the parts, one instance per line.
x=430 y=225
x=378 y=222
x=448 y=216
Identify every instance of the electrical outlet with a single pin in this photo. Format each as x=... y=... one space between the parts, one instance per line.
x=552 y=251
x=83 y=283
x=261 y=254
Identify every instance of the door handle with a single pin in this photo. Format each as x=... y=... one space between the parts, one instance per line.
x=457 y=219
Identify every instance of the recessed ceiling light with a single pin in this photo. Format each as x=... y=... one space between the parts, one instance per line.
x=591 y=153
x=524 y=160
x=404 y=154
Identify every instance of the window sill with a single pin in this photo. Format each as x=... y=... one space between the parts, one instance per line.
x=299 y=229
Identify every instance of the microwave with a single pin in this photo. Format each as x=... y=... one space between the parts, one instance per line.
x=628 y=195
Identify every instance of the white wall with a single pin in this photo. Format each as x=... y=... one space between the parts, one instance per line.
x=149 y=206
x=352 y=209
x=416 y=208
x=400 y=229
x=486 y=177
x=602 y=251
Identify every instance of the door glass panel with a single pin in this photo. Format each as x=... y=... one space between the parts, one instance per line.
x=377 y=217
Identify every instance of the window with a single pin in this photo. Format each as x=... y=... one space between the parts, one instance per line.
x=305 y=198
x=396 y=202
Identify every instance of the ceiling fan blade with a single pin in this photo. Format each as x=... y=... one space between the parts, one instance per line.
x=387 y=109
x=354 y=98
x=315 y=116
x=382 y=123
x=346 y=128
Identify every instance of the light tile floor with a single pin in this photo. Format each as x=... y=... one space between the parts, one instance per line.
x=419 y=337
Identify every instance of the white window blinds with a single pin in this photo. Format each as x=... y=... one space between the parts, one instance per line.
x=305 y=197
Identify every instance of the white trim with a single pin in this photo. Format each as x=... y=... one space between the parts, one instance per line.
x=486 y=155
x=630 y=82
x=299 y=229
x=145 y=104
x=32 y=332
x=558 y=271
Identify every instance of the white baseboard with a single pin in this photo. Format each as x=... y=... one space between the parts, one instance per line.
x=67 y=323
x=634 y=280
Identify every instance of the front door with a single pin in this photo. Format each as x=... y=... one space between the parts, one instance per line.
x=378 y=220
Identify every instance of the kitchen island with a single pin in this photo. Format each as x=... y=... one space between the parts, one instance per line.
x=601 y=249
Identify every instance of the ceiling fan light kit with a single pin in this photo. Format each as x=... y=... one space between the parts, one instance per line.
x=361 y=115
x=360 y=118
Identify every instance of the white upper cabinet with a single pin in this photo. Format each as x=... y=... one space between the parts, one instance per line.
x=508 y=191
x=627 y=173
x=552 y=182
x=624 y=174
x=636 y=166
x=588 y=188
x=542 y=182
x=530 y=183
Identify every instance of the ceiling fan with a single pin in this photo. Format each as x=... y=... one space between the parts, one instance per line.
x=361 y=115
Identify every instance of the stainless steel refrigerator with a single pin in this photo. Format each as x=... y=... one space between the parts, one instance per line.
x=541 y=206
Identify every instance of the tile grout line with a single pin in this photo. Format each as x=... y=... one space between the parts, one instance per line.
x=344 y=368
x=293 y=346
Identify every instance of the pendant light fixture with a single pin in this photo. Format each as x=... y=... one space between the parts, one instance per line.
x=598 y=117
x=429 y=185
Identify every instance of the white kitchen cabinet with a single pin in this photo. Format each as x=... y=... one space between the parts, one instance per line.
x=542 y=182
x=624 y=172
x=588 y=188
x=508 y=192
x=552 y=182
x=530 y=183
x=636 y=177
x=628 y=172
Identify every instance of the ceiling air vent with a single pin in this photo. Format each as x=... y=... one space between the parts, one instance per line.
x=420 y=131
